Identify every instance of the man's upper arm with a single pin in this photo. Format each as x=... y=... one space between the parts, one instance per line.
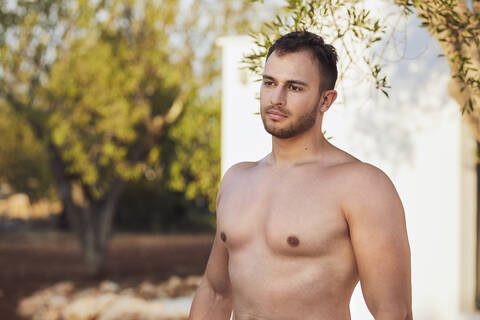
x=217 y=267
x=216 y=272
x=378 y=233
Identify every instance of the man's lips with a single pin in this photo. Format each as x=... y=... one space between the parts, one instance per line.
x=275 y=115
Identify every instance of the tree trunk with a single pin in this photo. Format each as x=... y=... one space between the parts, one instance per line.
x=96 y=229
x=90 y=219
x=94 y=249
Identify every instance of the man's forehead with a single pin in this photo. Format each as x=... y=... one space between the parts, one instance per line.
x=292 y=65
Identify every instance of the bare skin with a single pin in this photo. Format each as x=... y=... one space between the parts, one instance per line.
x=298 y=229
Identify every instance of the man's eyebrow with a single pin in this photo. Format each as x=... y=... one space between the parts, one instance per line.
x=288 y=81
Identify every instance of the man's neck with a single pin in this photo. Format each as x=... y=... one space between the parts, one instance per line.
x=300 y=149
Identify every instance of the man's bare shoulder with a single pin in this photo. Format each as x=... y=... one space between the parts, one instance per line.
x=365 y=185
x=358 y=178
x=354 y=170
x=363 y=174
x=232 y=175
x=237 y=169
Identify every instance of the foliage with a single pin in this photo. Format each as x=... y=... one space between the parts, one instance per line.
x=457 y=28
x=346 y=24
x=102 y=84
x=99 y=80
x=147 y=207
x=182 y=193
x=23 y=161
x=196 y=168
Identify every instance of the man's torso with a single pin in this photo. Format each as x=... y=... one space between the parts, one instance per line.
x=290 y=255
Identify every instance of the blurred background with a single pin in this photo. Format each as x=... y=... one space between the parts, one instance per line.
x=109 y=149
x=118 y=118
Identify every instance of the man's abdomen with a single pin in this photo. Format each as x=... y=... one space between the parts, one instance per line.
x=268 y=285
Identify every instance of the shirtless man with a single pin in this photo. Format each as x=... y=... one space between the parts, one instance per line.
x=298 y=229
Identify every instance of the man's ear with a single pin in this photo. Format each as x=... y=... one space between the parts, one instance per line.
x=327 y=99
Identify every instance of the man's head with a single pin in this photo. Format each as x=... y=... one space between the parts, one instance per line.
x=324 y=54
x=298 y=81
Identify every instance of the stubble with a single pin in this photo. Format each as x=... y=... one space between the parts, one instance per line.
x=305 y=122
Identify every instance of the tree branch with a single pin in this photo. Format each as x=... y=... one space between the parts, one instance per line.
x=177 y=107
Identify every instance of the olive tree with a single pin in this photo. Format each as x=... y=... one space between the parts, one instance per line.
x=348 y=24
x=102 y=83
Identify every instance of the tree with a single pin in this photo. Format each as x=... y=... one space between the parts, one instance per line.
x=196 y=166
x=182 y=195
x=348 y=24
x=22 y=161
x=455 y=25
x=101 y=84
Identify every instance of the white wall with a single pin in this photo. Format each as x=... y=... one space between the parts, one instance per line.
x=243 y=135
x=417 y=138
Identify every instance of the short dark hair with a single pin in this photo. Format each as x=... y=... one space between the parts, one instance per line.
x=325 y=54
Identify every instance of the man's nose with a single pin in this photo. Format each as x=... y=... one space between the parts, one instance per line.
x=278 y=97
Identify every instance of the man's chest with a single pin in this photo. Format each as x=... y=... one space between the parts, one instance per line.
x=294 y=216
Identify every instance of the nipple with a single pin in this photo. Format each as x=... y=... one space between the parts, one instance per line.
x=223 y=236
x=293 y=241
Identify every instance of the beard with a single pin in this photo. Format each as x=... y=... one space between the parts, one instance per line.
x=302 y=124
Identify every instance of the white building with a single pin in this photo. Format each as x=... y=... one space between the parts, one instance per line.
x=418 y=139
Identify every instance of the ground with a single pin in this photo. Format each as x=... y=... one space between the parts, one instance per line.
x=32 y=261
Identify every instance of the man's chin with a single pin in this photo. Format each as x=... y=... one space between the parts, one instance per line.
x=280 y=134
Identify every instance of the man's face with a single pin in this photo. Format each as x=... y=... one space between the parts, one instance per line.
x=289 y=95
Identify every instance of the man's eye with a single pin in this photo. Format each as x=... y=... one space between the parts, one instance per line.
x=268 y=83
x=295 y=88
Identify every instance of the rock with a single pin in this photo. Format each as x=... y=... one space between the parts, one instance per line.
x=88 y=307
x=132 y=308
x=128 y=292
x=107 y=302
x=65 y=288
x=193 y=281
x=147 y=290
x=46 y=303
x=109 y=287
x=176 y=287
x=49 y=314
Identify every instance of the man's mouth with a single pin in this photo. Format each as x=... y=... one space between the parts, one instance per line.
x=275 y=115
